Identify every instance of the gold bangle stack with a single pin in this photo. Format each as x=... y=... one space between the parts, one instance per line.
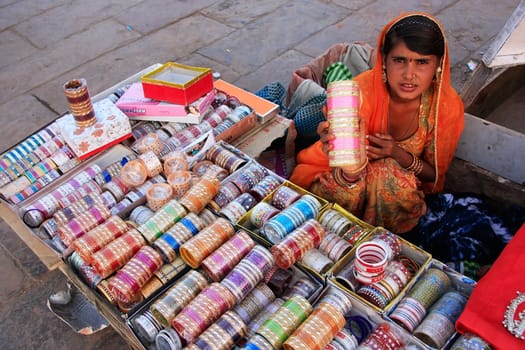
x=416 y=166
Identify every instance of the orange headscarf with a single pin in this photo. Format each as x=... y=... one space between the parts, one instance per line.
x=447 y=109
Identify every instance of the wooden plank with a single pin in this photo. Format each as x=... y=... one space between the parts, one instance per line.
x=493 y=147
x=508 y=48
x=488 y=88
x=49 y=257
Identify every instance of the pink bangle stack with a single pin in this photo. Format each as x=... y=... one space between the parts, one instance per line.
x=82 y=223
x=99 y=237
x=343 y=101
x=202 y=311
x=221 y=261
x=128 y=281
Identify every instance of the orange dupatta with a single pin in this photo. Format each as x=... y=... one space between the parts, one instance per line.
x=447 y=108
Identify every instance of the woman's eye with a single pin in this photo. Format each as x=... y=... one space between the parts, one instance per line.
x=422 y=61
x=399 y=60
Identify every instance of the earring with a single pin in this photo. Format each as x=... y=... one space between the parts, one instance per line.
x=438 y=73
x=383 y=74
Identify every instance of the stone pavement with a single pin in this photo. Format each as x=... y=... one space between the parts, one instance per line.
x=251 y=43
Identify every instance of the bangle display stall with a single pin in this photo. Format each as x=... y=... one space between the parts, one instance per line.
x=158 y=235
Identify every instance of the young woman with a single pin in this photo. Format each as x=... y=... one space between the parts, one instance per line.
x=413 y=119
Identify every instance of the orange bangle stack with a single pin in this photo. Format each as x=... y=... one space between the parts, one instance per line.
x=158 y=195
x=110 y=258
x=318 y=330
x=206 y=241
x=99 y=237
x=200 y=194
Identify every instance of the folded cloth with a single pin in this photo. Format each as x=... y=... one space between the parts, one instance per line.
x=485 y=310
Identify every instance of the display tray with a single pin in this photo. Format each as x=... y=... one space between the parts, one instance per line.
x=41 y=244
x=458 y=283
x=341 y=273
x=361 y=320
x=246 y=221
x=140 y=316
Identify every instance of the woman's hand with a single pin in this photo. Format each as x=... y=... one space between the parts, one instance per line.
x=323 y=130
x=381 y=146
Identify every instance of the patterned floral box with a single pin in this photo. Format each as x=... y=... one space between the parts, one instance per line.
x=112 y=127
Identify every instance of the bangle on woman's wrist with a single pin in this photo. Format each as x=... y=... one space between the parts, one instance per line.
x=344 y=180
x=416 y=166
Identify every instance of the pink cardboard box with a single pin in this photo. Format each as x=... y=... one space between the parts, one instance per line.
x=177 y=83
x=112 y=127
x=138 y=107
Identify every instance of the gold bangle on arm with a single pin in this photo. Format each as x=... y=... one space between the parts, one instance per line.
x=416 y=166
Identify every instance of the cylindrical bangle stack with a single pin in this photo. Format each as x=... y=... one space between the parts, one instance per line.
x=195 y=250
x=162 y=220
x=439 y=325
x=180 y=181
x=276 y=329
x=117 y=253
x=224 y=158
x=254 y=302
x=202 y=311
x=279 y=226
x=334 y=247
x=158 y=195
x=318 y=329
x=133 y=174
x=200 y=194
x=82 y=223
x=99 y=237
x=150 y=142
x=175 y=161
x=383 y=338
x=169 y=243
x=371 y=260
x=414 y=306
x=126 y=283
x=248 y=272
x=296 y=244
x=169 y=304
x=221 y=261
x=317 y=261
x=222 y=334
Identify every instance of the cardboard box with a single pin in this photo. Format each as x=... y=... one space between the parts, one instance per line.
x=264 y=109
x=138 y=107
x=112 y=127
x=177 y=83
x=238 y=129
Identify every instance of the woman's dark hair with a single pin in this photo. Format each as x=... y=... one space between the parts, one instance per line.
x=419 y=33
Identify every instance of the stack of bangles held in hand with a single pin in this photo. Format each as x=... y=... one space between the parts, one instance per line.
x=416 y=166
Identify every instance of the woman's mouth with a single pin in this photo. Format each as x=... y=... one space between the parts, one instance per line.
x=408 y=87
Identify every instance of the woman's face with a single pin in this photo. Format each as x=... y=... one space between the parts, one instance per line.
x=409 y=73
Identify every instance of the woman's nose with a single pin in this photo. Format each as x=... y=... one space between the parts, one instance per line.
x=410 y=70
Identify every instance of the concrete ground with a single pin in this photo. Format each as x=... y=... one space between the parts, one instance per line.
x=251 y=43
